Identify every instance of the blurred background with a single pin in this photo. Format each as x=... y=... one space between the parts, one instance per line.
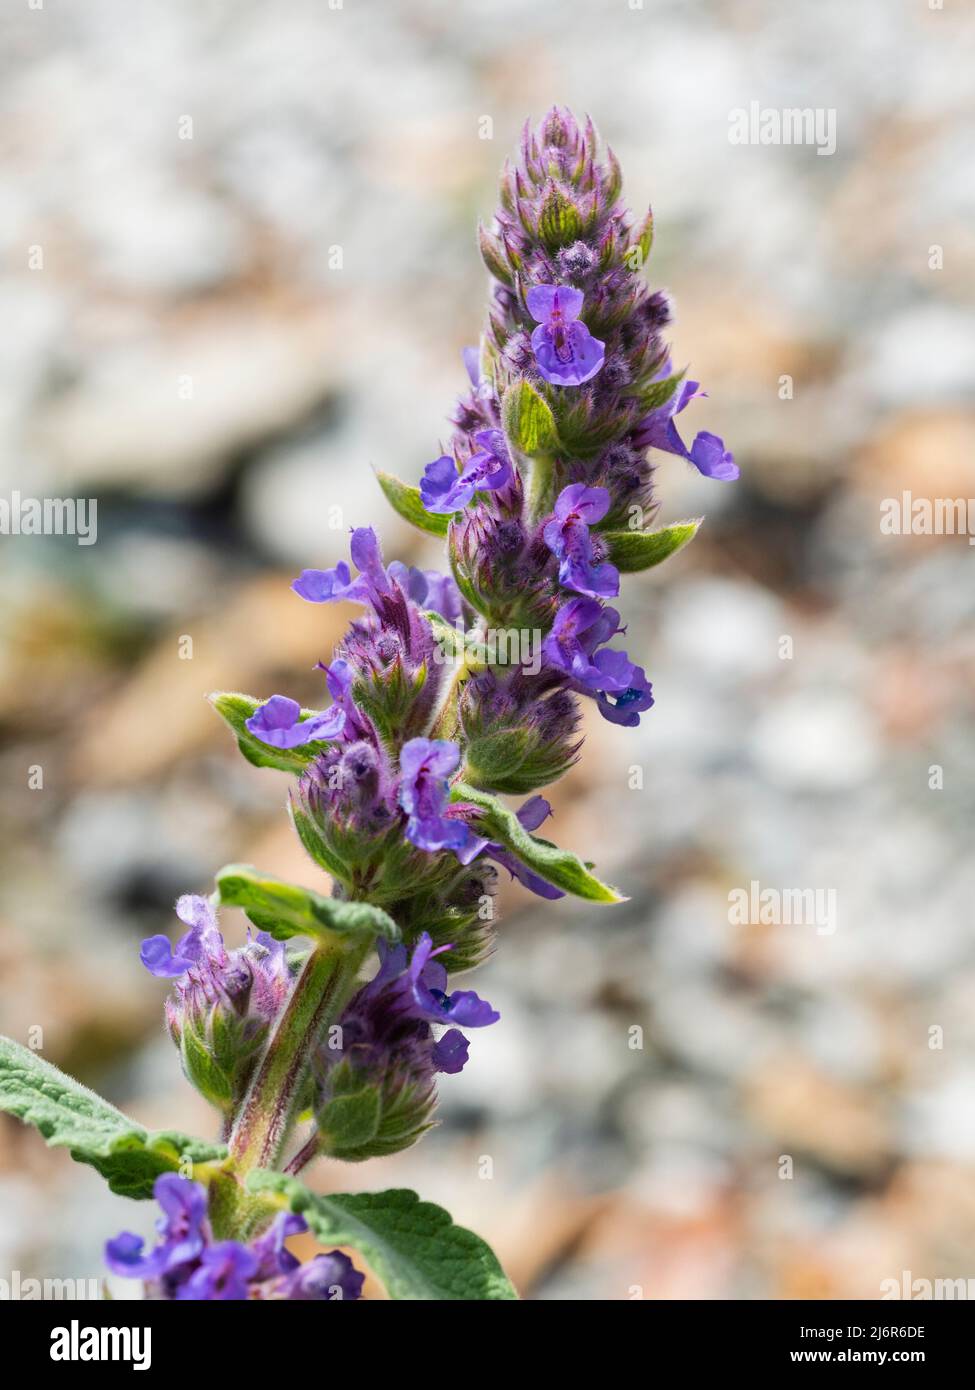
x=257 y=270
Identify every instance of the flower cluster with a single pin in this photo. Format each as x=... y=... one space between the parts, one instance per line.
x=544 y=496
x=187 y=1263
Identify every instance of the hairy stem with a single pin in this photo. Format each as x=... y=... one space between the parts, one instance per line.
x=261 y=1128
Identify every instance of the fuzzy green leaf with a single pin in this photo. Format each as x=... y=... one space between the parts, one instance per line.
x=658 y=393
x=405 y=499
x=631 y=551
x=557 y=866
x=235 y=709
x=285 y=910
x=528 y=421
x=71 y=1116
x=412 y=1246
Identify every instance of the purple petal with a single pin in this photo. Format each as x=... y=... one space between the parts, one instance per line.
x=534 y=813
x=124 y=1257
x=574 y=359
x=544 y=301
x=710 y=457
x=469 y=1010
x=278 y=723
x=159 y=959
x=472 y=364
x=451 y=1052
x=589 y=504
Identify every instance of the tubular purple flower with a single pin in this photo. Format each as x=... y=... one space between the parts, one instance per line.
x=278 y=722
x=443 y=490
x=566 y=353
x=187 y=1265
x=567 y=536
x=426 y=766
x=658 y=430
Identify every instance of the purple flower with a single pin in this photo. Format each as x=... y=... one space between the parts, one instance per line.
x=444 y=490
x=567 y=536
x=472 y=364
x=428 y=980
x=332 y=1278
x=428 y=589
x=165 y=962
x=185 y=1263
x=565 y=351
x=658 y=430
x=330 y=586
x=272 y=1256
x=224 y=1272
x=580 y=626
x=278 y=722
x=180 y=1229
x=425 y=768
x=627 y=705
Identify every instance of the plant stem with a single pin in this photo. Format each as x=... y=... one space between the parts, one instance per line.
x=267 y=1113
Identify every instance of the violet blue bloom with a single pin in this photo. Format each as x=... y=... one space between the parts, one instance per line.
x=580 y=626
x=565 y=351
x=428 y=589
x=224 y=1272
x=331 y=586
x=180 y=1229
x=658 y=430
x=167 y=962
x=425 y=768
x=567 y=535
x=444 y=490
x=278 y=722
x=627 y=705
x=327 y=1278
x=272 y=1255
x=185 y=1264
x=428 y=981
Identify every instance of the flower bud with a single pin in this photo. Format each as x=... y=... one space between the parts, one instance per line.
x=223 y=1002
x=521 y=731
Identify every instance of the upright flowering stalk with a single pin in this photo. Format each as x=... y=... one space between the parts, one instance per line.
x=327 y=1033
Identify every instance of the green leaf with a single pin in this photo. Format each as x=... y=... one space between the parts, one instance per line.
x=554 y=865
x=528 y=421
x=71 y=1116
x=658 y=393
x=235 y=709
x=285 y=910
x=631 y=551
x=412 y=1246
x=405 y=499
